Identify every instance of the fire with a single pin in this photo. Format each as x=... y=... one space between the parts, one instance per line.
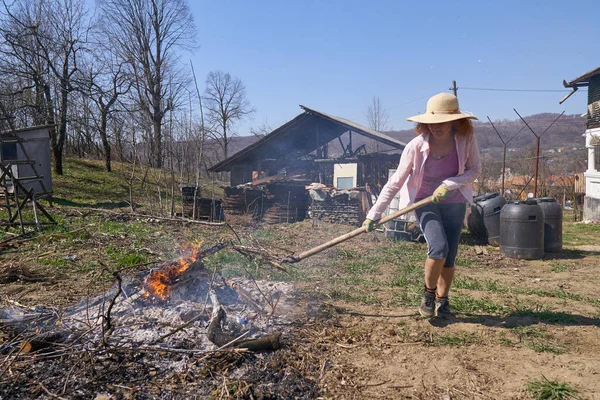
x=160 y=281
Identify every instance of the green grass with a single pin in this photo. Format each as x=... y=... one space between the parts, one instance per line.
x=353 y=296
x=462 y=303
x=456 y=339
x=537 y=339
x=541 y=347
x=559 y=267
x=579 y=234
x=494 y=286
x=539 y=312
x=545 y=389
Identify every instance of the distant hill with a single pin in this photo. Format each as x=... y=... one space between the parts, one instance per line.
x=566 y=132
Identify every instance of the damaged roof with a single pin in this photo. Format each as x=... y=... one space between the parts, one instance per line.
x=583 y=80
x=301 y=136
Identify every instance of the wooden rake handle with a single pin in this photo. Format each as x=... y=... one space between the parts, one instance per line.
x=358 y=231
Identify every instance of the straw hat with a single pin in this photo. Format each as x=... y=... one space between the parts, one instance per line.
x=442 y=107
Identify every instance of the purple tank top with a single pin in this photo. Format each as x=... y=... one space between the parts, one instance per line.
x=435 y=171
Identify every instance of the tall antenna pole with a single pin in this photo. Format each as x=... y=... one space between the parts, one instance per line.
x=537 y=149
x=505 y=143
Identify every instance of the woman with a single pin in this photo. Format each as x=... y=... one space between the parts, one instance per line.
x=442 y=161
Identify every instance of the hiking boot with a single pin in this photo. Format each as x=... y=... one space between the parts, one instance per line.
x=442 y=308
x=427 y=307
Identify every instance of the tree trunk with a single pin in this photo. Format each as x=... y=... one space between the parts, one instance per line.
x=105 y=144
x=57 y=159
x=157 y=139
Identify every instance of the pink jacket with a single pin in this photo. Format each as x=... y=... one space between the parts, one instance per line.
x=409 y=175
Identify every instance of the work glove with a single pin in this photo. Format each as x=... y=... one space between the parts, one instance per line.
x=440 y=193
x=369 y=225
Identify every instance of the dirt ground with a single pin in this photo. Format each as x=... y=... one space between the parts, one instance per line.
x=518 y=321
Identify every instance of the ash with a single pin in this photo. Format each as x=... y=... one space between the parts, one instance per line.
x=141 y=320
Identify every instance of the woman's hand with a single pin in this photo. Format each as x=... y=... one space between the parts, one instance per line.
x=440 y=193
x=369 y=225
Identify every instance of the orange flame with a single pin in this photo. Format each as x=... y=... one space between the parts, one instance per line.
x=159 y=282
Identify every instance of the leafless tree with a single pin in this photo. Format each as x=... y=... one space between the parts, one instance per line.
x=260 y=131
x=377 y=116
x=377 y=119
x=147 y=35
x=50 y=34
x=107 y=81
x=226 y=104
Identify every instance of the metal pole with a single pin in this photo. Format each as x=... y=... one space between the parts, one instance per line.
x=454 y=88
x=537 y=161
x=503 y=168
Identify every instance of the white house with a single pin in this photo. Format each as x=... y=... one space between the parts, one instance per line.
x=591 y=79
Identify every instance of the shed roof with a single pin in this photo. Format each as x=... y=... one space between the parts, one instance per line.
x=299 y=137
x=583 y=80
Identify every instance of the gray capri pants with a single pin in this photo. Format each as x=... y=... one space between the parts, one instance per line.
x=441 y=225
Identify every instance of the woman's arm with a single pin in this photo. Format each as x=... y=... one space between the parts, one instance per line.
x=394 y=184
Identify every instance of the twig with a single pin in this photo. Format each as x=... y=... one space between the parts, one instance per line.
x=243 y=335
x=179 y=328
x=49 y=393
x=67 y=378
x=16 y=303
x=108 y=328
x=234 y=232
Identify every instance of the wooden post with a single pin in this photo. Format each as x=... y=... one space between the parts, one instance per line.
x=454 y=88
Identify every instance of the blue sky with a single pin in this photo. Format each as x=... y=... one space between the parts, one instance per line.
x=336 y=55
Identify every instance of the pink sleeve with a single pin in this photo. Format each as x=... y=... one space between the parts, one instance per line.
x=394 y=184
x=472 y=166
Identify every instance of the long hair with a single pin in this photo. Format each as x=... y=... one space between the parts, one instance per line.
x=463 y=127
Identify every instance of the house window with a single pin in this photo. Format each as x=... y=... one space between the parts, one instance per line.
x=9 y=151
x=345 y=176
x=345 y=183
x=597 y=157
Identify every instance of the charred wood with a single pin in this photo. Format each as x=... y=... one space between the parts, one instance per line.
x=220 y=338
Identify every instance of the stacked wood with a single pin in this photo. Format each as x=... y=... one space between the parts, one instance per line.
x=206 y=209
x=274 y=203
x=240 y=201
x=339 y=209
x=285 y=203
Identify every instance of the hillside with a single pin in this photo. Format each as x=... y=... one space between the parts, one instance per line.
x=566 y=132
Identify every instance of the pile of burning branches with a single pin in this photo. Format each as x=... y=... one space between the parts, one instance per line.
x=168 y=321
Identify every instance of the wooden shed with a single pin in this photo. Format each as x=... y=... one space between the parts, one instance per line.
x=314 y=147
x=324 y=148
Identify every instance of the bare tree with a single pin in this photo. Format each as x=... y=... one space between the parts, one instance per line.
x=261 y=131
x=226 y=104
x=377 y=119
x=107 y=82
x=55 y=33
x=147 y=34
x=377 y=116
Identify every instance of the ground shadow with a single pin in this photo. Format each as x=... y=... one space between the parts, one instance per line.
x=341 y=311
x=520 y=318
x=472 y=240
x=570 y=254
